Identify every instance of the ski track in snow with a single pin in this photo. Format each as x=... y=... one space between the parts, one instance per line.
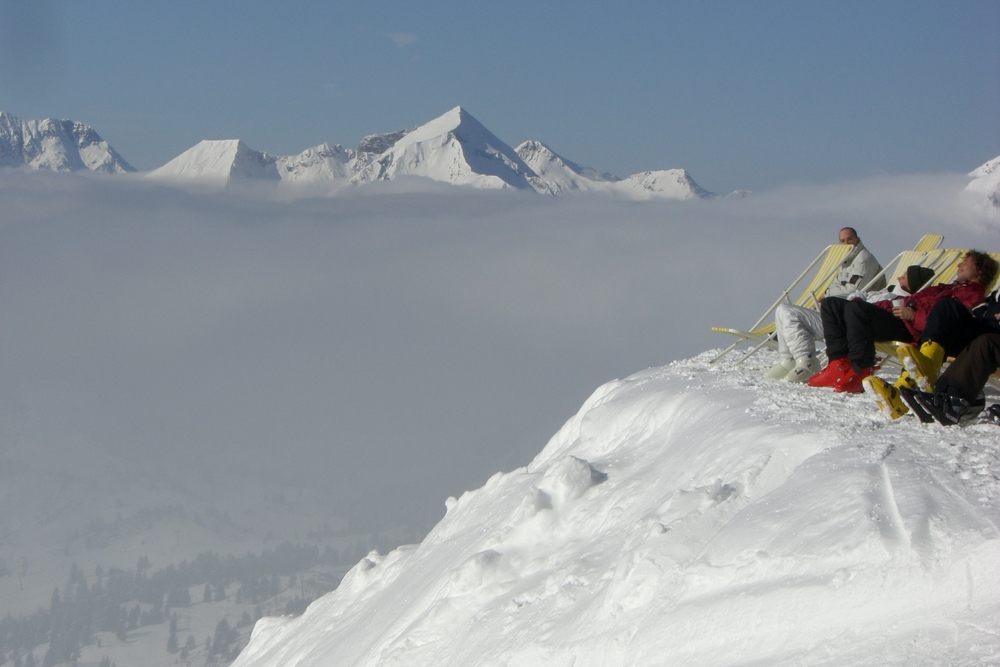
x=697 y=515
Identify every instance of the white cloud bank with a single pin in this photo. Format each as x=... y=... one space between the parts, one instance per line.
x=389 y=350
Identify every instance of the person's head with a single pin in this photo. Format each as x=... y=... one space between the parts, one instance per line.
x=849 y=236
x=977 y=266
x=915 y=277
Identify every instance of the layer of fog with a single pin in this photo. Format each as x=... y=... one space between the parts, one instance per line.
x=387 y=350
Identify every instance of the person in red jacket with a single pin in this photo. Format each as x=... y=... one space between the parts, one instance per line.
x=851 y=328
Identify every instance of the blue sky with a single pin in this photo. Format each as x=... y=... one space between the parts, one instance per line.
x=741 y=94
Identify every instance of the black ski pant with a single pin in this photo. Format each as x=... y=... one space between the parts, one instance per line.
x=851 y=329
x=967 y=375
x=953 y=326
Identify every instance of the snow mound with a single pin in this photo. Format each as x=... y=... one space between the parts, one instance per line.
x=56 y=145
x=454 y=148
x=986 y=181
x=697 y=515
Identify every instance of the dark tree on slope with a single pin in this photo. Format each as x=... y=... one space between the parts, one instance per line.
x=172 y=639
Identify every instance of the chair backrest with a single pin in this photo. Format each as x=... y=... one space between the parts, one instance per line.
x=947 y=266
x=827 y=271
x=929 y=242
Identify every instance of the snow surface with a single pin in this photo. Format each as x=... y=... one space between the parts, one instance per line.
x=697 y=515
x=56 y=145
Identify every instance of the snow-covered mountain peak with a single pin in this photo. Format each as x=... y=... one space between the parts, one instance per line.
x=218 y=163
x=665 y=183
x=987 y=168
x=56 y=145
x=986 y=182
x=449 y=121
x=453 y=148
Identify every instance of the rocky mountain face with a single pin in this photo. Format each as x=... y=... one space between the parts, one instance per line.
x=56 y=145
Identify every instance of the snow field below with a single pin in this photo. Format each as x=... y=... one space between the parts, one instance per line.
x=698 y=515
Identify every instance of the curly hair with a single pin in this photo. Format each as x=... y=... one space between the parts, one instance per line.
x=986 y=266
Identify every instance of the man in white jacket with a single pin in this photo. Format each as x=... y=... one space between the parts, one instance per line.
x=797 y=328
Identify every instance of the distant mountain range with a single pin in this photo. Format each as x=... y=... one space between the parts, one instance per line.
x=454 y=148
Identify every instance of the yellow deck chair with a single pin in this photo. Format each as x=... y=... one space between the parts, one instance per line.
x=929 y=242
x=829 y=263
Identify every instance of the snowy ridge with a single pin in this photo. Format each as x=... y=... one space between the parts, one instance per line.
x=56 y=145
x=696 y=515
x=986 y=181
x=557 y=175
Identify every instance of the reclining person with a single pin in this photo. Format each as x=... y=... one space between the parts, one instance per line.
x=851 y=328
x=958 y=393
x=797 y=328
x=951 y=328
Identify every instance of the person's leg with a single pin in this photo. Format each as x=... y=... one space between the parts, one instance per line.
x=834 y=327
x=799 y=328
x=782 y=325
x=957 y=393
x=952 y=326
x=835 y=333
x=866 y=324
x=967 y=375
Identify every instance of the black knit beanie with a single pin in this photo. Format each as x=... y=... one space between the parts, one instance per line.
x=918 y=276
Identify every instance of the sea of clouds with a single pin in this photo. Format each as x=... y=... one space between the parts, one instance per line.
x=389 y=348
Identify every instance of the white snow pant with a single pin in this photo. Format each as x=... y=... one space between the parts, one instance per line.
x=797 y=329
